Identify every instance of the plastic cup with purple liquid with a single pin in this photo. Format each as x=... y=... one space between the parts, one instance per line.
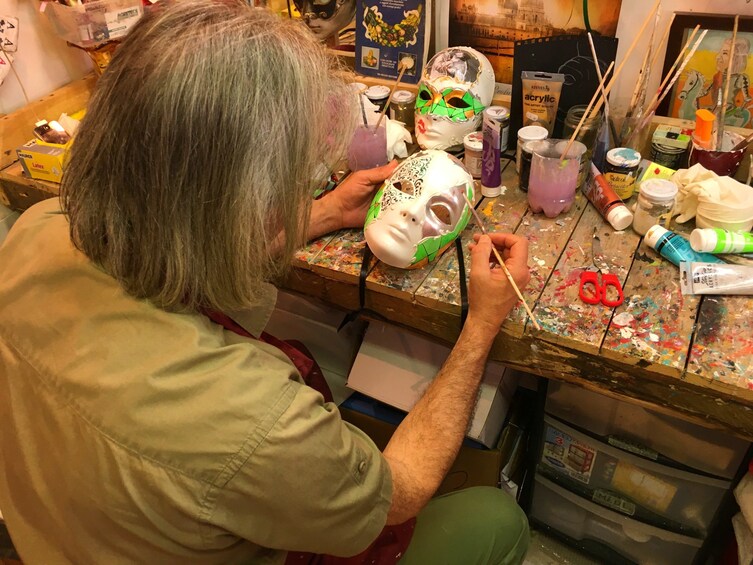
x=554 y=181
x=368 y=148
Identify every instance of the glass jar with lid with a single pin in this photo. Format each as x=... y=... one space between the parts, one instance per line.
x=656 y=200
x=586 y=135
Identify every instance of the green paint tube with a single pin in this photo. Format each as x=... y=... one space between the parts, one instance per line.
x=721 y=241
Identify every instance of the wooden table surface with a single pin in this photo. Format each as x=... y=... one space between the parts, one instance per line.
x=686 y=355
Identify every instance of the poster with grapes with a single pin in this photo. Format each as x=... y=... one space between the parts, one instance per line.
x=390 y=33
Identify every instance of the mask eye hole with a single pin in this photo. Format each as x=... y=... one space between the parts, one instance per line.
x=442 y=212
x=424 y=94
x=406 y=187
x=457 y=102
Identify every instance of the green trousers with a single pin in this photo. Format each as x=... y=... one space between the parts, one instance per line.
x=475 y=526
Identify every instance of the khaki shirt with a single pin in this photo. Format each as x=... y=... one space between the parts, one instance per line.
x=130 y=434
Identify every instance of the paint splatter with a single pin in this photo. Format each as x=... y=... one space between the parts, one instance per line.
x=623 y=319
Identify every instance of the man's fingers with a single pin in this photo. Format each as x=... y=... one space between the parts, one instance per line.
x=376 y=175
x=480 y=255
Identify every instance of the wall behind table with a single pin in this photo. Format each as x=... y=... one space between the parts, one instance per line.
x=632 y=14
x=43 y=61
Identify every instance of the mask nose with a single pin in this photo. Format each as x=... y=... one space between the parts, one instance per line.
x=409 y=216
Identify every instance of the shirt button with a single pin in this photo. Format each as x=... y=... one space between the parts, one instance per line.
x=362 y=466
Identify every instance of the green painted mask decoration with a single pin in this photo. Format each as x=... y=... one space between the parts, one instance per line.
x=420 y=210
x=457 y=84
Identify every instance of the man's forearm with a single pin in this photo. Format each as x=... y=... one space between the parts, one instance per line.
x=324 y=219
x=426 y=443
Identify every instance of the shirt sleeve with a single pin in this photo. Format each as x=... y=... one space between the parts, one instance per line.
x=315 y=483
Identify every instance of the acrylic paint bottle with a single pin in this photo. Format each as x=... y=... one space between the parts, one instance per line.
x=491 y=170
x=675 y=248
x=721 y=241
x=606 y=201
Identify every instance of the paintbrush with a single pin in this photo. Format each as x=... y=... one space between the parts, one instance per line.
x=652 y=109
x=588 y=108
x=723 y=110
x=405 y=64
x=363 y=110
x=681 y=68
x=743 y=144
x=627 y=56
x=480 y=224
x=671 y=70
x=639 y=93
x=603 y=140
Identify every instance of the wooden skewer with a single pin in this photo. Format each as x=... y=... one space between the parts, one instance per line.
x=672 y=68
x=645 y=71
x=662 y=42
x=681 y=68
x=480 y=224
x=720 y=125
x=598 y=74
x=405 y=64
x=627 y=54
x=588 y=108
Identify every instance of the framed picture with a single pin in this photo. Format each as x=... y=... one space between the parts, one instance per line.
x=493 y=27
x=702 y=82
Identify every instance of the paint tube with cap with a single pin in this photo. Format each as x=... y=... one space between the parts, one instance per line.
x=715 y=240
x=716 y=278
x=606 y=201
x=674 y=247
x=541 y=98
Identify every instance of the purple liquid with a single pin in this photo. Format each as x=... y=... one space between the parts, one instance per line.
x=368 y=148
x=552 y=185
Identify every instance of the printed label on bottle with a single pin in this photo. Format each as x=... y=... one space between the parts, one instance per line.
x=613 y=501
x=623 y=184
x=632 y=447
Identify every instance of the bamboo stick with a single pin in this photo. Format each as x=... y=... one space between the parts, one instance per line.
x=588 y=108
x=627 y=54
x=720 y=125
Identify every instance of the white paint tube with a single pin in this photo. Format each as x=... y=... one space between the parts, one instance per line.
x=716 y=278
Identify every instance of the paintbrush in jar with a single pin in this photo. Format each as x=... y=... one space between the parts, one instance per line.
x=588 y=109
x=406 y=63
x=723 y=110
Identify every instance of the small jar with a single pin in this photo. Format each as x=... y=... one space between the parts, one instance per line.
x=402 y=108
x=474 y=149
x=586 y=135
x=656 y=200
x=621 y=170
x=667 y=155
x=528 y=133
x=378 y=95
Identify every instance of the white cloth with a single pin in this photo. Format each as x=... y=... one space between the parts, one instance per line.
x=703 y=192
x=744 y=538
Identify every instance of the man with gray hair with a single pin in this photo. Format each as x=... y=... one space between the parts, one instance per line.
x=137 y=429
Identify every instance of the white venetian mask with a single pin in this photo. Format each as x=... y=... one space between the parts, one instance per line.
x=420 y=210
x=456 y=86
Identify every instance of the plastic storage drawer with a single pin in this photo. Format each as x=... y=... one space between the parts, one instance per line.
x=666 y=497
x=599 y=530
x=632 y=427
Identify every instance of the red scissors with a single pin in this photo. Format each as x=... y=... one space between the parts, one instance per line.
x=595 y=282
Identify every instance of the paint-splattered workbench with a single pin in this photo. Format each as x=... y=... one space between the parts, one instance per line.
x=683 y=354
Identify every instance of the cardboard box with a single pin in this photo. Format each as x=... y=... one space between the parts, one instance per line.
x=472 y=467
x=396 y=366
x=43 y=161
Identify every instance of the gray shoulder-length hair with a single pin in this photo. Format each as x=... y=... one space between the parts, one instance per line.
x=200 y=146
